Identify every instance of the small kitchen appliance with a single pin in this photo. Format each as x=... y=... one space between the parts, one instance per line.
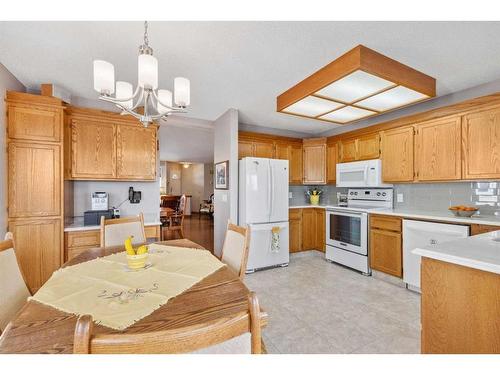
x=347 y=227
x=94 y=217
x=360 y=174
x=99 y=201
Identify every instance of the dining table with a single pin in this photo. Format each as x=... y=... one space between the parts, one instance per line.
x=38 y=328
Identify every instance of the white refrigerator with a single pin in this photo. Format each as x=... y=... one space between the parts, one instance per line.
x=263 y=206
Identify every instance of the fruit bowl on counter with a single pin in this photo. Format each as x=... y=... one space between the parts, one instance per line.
x=463 y=211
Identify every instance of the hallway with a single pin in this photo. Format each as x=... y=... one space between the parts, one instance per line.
x=197 y=228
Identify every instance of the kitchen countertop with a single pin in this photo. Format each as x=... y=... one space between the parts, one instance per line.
x=479 y=252
x=76 y=224
x=417 y=214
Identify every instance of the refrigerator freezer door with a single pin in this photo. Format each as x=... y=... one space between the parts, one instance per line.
x=279 y=190
x=424 y=234
x=255 y=192
x=261 y=253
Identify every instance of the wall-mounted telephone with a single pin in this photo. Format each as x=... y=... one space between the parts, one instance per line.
x=134 y=196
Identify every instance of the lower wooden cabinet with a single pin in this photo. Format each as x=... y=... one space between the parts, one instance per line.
x=386 y=245
x=307 y=229
x=480 y=228
x=38 y=244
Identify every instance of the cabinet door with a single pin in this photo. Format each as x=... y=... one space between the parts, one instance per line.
x=38 y=248
x=295 y=165
x=34 y=123
x=295 y=222
x=481 y=138
x=282 y=151
x=385 y=252
x=315 y=164
x=331 y=163
x=308 y=228
x=264 y=150
x=34 y=179
x=368 y=147
x=93 y=150
x=397 y=154
x=136 y=153
x=320 y=229
x=245 y=149
x=347 y=150
x=439 y=155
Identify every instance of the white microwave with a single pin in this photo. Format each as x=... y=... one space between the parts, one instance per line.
x=366 y=173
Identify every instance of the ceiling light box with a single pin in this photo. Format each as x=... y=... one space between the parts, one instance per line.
x=359 y=84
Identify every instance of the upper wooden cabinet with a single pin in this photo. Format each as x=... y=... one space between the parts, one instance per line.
x=331 y=163
x=34 y=123
x=295 y=164
x=104 y=146
x=136 y=153
x=282 y=151
x=481 y=140
x=362 y=148
x=245 y=149
x=438 y=154
x=256 y=149
x=35 y=177
x=397 y=154
x=314 y=161
x=93 y=149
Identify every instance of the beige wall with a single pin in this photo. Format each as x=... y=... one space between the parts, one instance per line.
x=192 y=183
x=209 y=180
x=173 y=185
x=7 y=82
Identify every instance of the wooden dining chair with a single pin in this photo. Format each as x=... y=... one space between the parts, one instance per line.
x=235 y=248
x=115 y=231
x=175 y=221
x=217 y=337
x=13 y=288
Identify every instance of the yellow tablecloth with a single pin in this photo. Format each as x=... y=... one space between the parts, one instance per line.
x=117 y=297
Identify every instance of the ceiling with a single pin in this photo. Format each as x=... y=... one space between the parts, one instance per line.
x=245 y=65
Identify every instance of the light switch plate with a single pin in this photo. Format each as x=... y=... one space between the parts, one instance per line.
x=400 y=198
x=290 y=195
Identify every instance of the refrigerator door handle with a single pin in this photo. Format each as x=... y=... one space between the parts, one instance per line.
x=272 y=190
x=269 y=187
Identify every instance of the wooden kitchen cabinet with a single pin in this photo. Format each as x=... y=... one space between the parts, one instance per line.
x=368 y=147
x=34 y=123
x=35 y=177
x=93 y=149
x=481 y=140
x=245 y=149
x=282 y=151
x=386 y=245
x=264 y=150
x=314 y=161
x=320 y=229
x=38 y=248
x=136 y=153
x=397 y=154
x=347 y=150
x=331 y=163
x=309 y=228
x=481 y=228
x=438 y=155
x=295 y=229
x=295 y=164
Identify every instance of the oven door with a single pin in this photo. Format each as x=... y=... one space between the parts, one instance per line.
x=347 y=231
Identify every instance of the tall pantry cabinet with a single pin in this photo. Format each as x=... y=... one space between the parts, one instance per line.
x=35 y=183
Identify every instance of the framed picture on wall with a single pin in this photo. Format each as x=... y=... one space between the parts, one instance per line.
x=222 y=175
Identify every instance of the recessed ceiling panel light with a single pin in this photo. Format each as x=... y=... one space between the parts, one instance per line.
x=362 y=79
x=393 y=98
x=347 y=114
x=312 y=106
x=355 y=86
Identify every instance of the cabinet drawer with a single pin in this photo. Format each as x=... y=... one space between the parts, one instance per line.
x=295 y=214
x=386 y=222
x=152 y=231
x=88 y=238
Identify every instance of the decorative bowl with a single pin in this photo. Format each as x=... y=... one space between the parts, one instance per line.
x=136 y=262
x=463 y=211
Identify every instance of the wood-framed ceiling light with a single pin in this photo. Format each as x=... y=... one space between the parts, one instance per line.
x=359 y=84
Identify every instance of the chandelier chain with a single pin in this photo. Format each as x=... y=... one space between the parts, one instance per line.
x=146 y=40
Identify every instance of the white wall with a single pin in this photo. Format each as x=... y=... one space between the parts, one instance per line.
x=7 y=82
x=226 y=148
x=118 y=192
x=192 y=183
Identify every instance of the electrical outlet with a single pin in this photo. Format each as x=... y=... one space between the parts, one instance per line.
x=400 y=198
x=290 y=195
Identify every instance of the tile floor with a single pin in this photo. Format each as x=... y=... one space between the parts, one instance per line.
x=318 y=307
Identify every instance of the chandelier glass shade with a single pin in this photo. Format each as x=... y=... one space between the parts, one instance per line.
x=157 y=103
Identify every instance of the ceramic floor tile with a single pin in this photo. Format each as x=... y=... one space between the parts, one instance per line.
x=318 y=307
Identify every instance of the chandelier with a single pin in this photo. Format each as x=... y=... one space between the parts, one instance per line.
x=156 y=103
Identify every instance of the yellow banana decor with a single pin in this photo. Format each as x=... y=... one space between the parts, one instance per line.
x=143 y=249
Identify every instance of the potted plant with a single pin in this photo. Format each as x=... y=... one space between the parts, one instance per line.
x=313 y=194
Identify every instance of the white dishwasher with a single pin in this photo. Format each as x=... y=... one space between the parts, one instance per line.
x=424 y=234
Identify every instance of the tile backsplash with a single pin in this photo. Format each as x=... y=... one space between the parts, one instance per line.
x=436 y=196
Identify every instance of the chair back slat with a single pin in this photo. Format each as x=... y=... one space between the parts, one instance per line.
x=235 y=248
x=115 y=231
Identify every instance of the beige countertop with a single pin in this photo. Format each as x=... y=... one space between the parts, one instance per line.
x=76 y=223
